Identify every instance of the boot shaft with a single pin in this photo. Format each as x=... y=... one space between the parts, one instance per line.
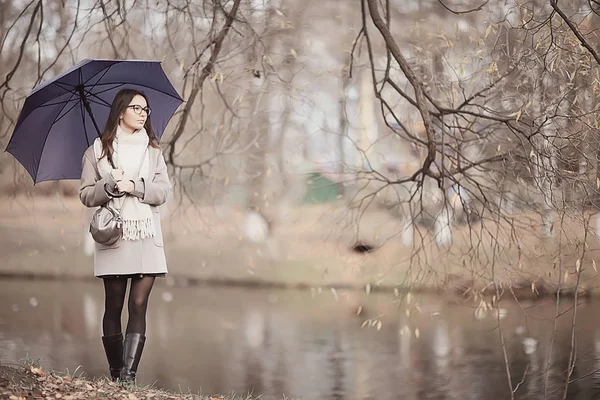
x=113 y=347
x=132 y=353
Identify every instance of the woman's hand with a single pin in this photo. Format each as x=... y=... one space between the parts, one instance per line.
x=125 y=186
x=117 y=174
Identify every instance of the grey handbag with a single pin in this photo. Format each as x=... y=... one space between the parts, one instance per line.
x=106 y=225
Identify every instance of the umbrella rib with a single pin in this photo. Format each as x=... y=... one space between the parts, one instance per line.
x=68 y=91
x=65 y=114
x=116 y=85
x=48 y=134
x=109 y=83
x=95 y=100
x=58 y=103
x=106 y=103
x=101 y=102
x=105 y=70
x=150 y=87
x=69 y=87
x=64 y=84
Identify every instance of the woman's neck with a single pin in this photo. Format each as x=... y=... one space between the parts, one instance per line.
x=126 y=129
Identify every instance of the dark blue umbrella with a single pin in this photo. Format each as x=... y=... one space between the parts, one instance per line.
x=60 y=117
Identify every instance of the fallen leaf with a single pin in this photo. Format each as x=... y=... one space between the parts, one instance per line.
x=37 y=371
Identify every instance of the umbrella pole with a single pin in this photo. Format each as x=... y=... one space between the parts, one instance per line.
x=86 y=104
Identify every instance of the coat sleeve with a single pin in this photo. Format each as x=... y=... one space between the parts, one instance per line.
x=92 y=191
x=157 y=190
x=138 y=188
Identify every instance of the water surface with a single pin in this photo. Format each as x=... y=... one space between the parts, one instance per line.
x=309 y=344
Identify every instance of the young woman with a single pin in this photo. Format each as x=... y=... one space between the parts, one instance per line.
x=126 y=168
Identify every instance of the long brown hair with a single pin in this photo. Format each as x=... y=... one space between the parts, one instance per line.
x=118 y=107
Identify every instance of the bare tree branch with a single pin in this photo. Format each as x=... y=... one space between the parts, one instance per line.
x=571 y=25
x=478 y=8
x=206 y=71
x=414 y=81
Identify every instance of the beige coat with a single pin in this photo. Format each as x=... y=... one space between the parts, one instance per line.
x=128 y=257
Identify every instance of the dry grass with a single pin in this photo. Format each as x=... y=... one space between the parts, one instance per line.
x=31 y=382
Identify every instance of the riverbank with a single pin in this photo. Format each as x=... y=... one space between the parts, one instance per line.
x=43 y=237
x=27 y=382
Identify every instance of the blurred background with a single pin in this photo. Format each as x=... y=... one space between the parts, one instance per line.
x=374 y=198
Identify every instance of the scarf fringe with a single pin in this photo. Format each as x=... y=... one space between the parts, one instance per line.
x=138 y=229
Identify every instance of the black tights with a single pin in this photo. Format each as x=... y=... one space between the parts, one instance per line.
x=139 y=292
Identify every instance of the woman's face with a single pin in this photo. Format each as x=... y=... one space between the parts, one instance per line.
x=135 y=115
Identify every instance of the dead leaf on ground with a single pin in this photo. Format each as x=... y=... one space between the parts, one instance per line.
x=37 y=371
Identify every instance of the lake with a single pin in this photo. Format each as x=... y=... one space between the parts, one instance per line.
x=311 y=344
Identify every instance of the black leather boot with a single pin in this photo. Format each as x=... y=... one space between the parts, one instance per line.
x=113 y=347
x=132 y=352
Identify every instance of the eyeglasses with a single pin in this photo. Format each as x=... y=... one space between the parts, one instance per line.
x=138 y=109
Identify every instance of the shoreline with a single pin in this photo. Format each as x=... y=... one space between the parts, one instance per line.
x=43 y=239
x=524 y=292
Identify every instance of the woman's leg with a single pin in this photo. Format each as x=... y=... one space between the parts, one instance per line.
x=136 y=327
x=114 y=289
x=138 y=304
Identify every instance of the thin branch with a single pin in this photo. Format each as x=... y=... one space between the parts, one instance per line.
x=479 y=8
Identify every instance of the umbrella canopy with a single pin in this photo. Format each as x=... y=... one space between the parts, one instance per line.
x=63 y=116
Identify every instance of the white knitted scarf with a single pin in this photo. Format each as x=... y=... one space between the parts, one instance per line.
x=138 y=221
